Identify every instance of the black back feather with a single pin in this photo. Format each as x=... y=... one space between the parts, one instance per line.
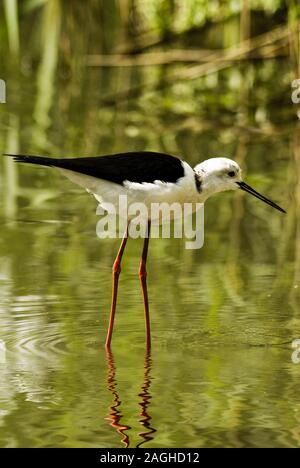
x=134 y=167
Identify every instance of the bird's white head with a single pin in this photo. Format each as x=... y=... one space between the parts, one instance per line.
x=220 y=174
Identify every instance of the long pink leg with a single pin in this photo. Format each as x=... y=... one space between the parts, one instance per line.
x=116 y=270
x=143 y=279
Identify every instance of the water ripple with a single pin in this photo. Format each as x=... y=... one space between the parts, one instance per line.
x=26 y=329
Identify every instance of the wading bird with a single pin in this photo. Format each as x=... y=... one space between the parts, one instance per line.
x=147 y=177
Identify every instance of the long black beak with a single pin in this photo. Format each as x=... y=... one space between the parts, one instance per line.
x=247 y=188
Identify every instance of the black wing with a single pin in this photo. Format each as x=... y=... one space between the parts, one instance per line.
x=134 y=167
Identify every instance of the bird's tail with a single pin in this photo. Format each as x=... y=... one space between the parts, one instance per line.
x=40 y=160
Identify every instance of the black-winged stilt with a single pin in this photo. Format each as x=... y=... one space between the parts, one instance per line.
x=147 y=177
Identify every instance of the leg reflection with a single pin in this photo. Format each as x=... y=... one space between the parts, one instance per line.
x=115 y=415
x=146 y=397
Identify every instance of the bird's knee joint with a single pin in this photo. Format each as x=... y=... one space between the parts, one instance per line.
x=116 y=269
x=142 y=273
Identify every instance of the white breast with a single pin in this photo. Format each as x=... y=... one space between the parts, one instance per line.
x=183 y=191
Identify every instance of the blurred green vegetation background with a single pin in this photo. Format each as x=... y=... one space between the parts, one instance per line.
x=197 y=62
x=194 y=78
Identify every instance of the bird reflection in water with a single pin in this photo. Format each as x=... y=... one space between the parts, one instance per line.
x=115 y=415
x=145 y=420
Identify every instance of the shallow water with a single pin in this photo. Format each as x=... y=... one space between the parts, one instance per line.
x=223 y=317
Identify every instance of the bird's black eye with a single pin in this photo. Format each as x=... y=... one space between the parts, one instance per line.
x=231 y=174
